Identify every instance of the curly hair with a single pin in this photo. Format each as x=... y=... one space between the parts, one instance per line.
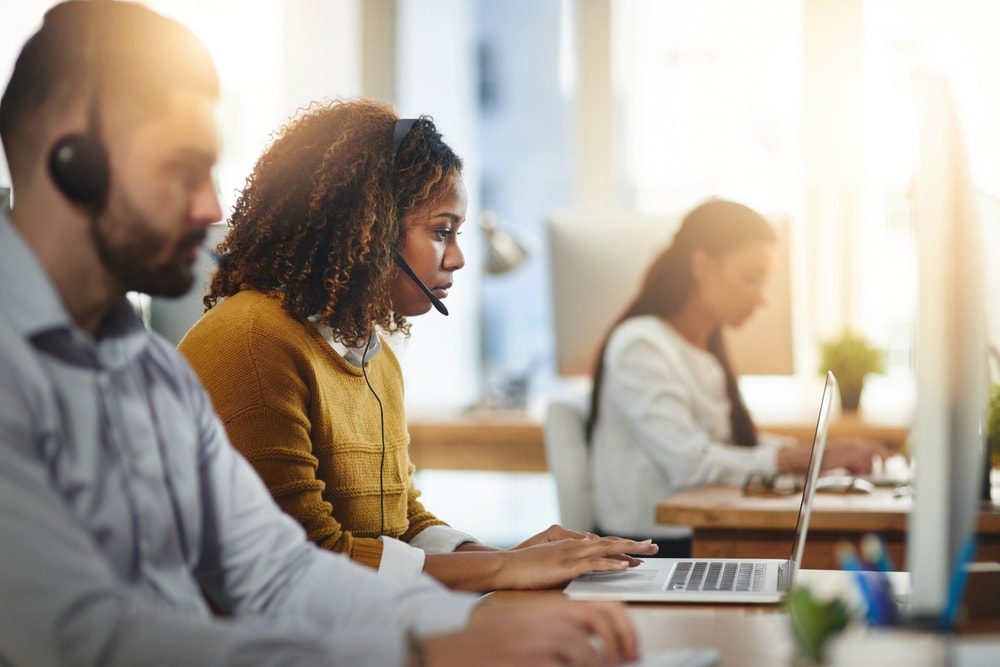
x=321 y=216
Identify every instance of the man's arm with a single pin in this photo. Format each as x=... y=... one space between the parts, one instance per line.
x=63 y=605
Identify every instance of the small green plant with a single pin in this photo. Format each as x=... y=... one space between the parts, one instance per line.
x=814 y=622
x=851 y=358
x=993 y=423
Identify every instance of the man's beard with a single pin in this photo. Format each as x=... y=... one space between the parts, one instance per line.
x=126 y=244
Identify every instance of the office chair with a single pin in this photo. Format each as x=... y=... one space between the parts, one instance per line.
x=567 y=455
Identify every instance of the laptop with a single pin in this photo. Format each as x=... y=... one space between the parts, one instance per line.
x=717 y=580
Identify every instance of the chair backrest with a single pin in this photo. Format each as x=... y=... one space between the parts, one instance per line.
x=567 y=455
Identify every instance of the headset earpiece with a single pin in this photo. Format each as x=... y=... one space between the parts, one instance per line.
x=78 y=165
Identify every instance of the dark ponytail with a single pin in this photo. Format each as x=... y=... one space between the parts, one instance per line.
x=717 y=227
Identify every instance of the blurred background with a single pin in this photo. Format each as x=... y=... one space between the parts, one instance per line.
x=604 y=111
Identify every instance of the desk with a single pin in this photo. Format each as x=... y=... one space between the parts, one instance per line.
x=748 y=635
x=513 y=441
x=508 y=441
x=743 y=636
x=727 y=524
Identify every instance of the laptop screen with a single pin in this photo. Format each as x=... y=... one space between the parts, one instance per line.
x=812 y=474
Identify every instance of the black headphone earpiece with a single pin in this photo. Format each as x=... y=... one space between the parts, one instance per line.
x=78 y=165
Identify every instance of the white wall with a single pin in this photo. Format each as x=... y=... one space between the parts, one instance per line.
x=15 y=28
x=273 y=58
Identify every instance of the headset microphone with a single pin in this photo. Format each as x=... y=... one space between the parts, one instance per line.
x=436 y=302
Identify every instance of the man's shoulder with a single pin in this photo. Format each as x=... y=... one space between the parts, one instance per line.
x=172 y=366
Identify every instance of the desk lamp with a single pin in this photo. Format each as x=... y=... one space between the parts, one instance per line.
x=504 y=253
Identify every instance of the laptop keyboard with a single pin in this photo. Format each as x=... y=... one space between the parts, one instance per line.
x=703 y=575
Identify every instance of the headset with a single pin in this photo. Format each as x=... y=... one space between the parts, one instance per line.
x=400 y=132
x=78 y=164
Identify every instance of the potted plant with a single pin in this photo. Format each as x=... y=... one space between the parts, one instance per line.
x=851 y=358
x=993 y=424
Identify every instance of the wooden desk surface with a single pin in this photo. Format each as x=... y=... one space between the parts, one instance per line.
x=727 y=507
x=754 y=635
x=513 y=441
x=743 y=636
x=728 y=524
x=495 y=440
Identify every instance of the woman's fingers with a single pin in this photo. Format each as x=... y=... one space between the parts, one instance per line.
x=623 y=546
x=632 y=562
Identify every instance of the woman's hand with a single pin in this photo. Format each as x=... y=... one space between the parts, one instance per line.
x=856 y=455
x=554 y=533
x=540 y=632
x=852 y=454
x=555 y=563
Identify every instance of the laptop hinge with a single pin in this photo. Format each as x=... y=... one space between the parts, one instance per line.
x=786 y=574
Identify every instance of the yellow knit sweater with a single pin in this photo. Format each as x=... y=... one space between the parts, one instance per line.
x=305 y=419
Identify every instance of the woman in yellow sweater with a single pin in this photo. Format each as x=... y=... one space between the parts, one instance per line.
x=289 y=349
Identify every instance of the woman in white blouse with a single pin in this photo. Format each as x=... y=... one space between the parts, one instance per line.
x=666 y=412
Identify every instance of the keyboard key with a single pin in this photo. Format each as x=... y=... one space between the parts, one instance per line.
x=679 y=577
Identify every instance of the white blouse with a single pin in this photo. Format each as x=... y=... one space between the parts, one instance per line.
x=663 y=426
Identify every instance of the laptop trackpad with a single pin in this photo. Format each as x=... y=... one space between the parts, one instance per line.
x=637 y=579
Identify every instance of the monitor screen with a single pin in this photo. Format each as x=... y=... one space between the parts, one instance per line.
x=598 y=260
x=950 y=351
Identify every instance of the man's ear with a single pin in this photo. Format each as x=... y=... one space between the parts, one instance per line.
x=702 y=264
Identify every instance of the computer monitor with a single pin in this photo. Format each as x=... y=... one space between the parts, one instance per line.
x=598 y=260
x=950 y=351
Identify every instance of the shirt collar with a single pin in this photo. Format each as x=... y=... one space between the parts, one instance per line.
x=35 y=309
x=354 y=355
x=28 y=296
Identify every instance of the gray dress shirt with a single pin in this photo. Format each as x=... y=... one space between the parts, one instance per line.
x=131 y=533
